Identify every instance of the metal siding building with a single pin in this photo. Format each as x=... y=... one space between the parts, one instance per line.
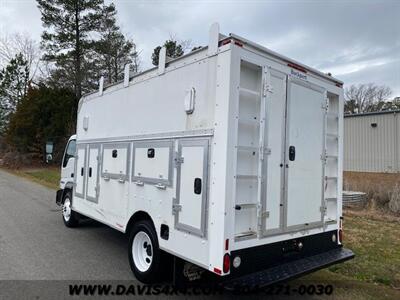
x=371 y=142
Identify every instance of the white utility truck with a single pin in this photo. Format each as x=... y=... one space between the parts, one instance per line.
x=227 y=159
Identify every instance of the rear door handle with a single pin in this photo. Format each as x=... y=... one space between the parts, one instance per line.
x=197 y=186
x=292 y=153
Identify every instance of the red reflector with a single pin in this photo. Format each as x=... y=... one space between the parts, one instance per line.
x=297 y=67
x=218 y=271
x=227 y=244
x=237 y=43
x=225 y=42
x=339 y=85
x=227 y=263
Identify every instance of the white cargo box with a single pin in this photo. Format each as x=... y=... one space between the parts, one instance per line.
x=227 y=148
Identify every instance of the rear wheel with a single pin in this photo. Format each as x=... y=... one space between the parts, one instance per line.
x=70 y=217
x=144 y=254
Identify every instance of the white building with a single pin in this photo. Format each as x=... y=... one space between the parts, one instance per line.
x=371 y=142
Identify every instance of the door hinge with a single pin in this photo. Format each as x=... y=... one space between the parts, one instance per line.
x=266 y=151
x=267 y=89
x=265 y=214
x=178 y=159
x=323 y=210
x=176 y=207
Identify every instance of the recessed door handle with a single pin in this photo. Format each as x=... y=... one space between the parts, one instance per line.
x=139 y=183
x=161 y=186
x=292 y=153
x=197 y=186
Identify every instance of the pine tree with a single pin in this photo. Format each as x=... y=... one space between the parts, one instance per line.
x=67 y=40
x=174 y=50
x=14 y=81
x=114 y=50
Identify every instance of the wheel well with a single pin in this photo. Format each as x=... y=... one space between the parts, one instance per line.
x=136 y=217
x=67 y=188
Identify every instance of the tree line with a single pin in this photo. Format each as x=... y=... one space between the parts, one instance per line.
x=41 y=83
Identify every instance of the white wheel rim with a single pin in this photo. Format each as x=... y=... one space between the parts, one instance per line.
x=67 y=209
x=142 y=251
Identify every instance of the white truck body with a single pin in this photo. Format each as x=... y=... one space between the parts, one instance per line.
x=231 y=147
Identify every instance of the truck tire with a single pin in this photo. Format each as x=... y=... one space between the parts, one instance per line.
x=70 y=217
x=145 y=256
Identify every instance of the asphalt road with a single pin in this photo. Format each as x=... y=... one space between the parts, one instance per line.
x=35 y=244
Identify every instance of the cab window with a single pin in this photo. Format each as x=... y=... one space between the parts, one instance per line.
x=70 y=152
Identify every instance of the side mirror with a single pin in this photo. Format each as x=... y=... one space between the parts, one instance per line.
x=49 y=151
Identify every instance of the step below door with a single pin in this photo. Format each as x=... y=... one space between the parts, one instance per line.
x=189 y=205
x=305 y=146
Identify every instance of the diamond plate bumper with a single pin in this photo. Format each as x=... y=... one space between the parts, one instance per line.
x=290 y=269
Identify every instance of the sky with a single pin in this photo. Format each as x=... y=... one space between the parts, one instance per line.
x=358 y=41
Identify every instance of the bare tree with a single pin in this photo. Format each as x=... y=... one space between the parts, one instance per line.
x=365 y=97
x=13 y=44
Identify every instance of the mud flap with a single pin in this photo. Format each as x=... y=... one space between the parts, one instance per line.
x=59 y=197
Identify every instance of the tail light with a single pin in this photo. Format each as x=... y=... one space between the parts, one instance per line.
x=227 y=263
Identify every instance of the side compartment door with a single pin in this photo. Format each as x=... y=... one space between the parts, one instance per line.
x=272 y=194
x=305 y=147
x=190 y=203
x=114 y=182
x=93 y=173
x=80 y=170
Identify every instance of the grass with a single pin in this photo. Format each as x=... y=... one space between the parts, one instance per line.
x=373 y=236
x=374 y=272
x=49 y=177
x=376 y=243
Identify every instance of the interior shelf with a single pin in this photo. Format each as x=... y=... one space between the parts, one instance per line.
x=245 y=234
x=249 y=92
x=249 y=122
x=247 y=148
x=332 y=135
x=246 y=177
x=241 y=206
x=332 y=116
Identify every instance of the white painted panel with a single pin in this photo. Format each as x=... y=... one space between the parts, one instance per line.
x=115 y=165
x=305 y=132
x=156 y=167
x=276 y=104
x=191 y=203
x=80 y=170
x=92 y=172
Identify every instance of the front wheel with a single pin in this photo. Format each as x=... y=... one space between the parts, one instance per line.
x=70 y=217
x=144 y=254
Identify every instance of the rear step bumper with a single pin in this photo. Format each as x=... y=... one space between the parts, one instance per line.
x=290 y=269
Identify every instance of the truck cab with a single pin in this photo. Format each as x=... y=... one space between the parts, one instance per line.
x=67 y=169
